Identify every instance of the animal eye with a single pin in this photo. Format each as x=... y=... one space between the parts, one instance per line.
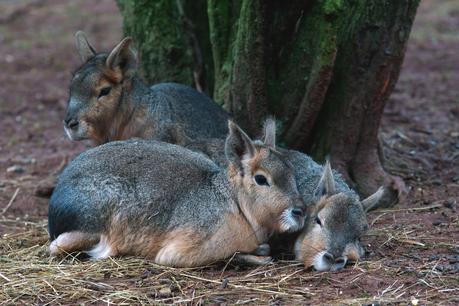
x=261 y=180
x=318 y=221
x=104 y=91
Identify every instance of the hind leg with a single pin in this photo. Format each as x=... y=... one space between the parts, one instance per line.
x=70 y=242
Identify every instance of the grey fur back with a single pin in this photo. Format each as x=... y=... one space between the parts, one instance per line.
x=308 y=173
x=138 y=176
x=196 y=113
x=108 y=101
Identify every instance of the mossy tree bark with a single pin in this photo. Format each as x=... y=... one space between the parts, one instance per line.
x=171 y=46
x=324 y=68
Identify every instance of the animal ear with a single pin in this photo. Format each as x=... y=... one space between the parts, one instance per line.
x=238 y=145
x=270 y=133
x=84 y=48
x=371 y=202
x=123 y=57
x=326 y=184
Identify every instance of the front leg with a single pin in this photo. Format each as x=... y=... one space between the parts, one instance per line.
x=259 y=257
x=252 y=260
x=262 y=250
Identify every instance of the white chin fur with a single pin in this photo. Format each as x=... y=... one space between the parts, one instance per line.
x=288 y=223
x=68 y=133
x=79 y=134
x=319 y=263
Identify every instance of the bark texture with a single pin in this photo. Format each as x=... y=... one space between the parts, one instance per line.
x=171 y=46
x=324 y=68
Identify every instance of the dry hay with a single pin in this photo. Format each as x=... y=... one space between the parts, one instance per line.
x=29 y=276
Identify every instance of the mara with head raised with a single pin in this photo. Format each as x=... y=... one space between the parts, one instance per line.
x=108 y=101
x=162 y=201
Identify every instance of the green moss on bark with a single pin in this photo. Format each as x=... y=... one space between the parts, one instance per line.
x=368 y=36
x=300 y=58
x=220 y=15
x=156 y=26
x=324 y=68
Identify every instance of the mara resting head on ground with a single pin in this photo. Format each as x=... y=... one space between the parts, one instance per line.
x=162 y=201
x=334 y=227
x=97 y=87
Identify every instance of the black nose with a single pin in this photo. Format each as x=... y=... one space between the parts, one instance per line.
x=297 y=212
x=340 y=261
x=329 y=258
x=71 y=123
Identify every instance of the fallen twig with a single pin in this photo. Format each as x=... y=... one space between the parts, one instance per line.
x=10 y=202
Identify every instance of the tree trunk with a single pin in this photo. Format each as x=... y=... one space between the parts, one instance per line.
x=324 y=68
x=171 y=46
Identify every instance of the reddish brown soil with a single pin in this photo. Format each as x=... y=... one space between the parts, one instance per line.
x=37 y=58
x=413 y=248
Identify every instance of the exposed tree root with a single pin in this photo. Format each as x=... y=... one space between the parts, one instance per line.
x=368 y=175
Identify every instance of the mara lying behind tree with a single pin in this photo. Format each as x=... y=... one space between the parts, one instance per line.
x=108 y=101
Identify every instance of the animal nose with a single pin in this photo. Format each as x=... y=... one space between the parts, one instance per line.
x=71 y=123
x=340 y=262
x=297 y=212
x=329 y=258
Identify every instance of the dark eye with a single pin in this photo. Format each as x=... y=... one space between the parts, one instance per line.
x=105 y=91
x=318 y=221
x=261 y=180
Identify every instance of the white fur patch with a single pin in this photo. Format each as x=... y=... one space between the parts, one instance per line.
x=79 y=134
x=53 y=248
x=69 y=133
x=319 y=263
x=288 y=223
x=102 y=249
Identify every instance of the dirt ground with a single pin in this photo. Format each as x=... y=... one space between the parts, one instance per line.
x=413 y=249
